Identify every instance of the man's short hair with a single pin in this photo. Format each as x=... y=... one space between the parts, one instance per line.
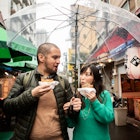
x=45 y=49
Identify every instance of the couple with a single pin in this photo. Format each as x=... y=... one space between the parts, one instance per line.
x=42 y=112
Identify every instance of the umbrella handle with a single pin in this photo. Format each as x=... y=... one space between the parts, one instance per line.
x=75 y=95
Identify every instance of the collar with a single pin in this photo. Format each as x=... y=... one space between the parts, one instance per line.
x=39 y=75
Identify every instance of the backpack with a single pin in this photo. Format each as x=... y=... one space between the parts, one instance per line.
x=28 y=76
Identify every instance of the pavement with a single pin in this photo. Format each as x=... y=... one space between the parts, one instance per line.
x=126 y=132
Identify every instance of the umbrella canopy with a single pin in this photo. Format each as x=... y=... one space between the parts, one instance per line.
x=115 y=48
x=21 y=48
x=82 y=26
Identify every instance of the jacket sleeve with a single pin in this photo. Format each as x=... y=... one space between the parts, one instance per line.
x=18 y=100
x=103 y=112
x=70 y=122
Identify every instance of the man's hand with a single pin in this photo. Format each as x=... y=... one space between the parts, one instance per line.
x=40 y=90
x=75 y=103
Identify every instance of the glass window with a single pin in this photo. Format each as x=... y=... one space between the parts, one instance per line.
x=126 y=6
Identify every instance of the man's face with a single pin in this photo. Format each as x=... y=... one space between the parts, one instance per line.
x=52 y=60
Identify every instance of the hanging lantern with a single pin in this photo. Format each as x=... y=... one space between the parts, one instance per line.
x=133 y=63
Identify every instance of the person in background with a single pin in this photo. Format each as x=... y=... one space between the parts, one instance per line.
x=39 y=108
x=97 y=109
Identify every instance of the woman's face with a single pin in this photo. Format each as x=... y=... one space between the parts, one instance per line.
x=86 y=77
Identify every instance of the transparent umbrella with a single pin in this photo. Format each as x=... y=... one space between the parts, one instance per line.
x=90 y=30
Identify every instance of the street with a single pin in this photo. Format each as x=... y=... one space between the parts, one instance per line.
x=127 y=132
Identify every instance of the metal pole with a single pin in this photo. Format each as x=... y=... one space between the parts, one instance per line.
x=76 y=35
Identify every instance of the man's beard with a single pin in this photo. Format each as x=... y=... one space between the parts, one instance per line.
x=50 y=71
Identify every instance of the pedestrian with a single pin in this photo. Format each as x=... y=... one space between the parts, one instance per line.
x=97 y=109
x=39 y=108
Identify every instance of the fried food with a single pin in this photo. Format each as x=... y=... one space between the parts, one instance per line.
x=46 y=80
x=87 y=85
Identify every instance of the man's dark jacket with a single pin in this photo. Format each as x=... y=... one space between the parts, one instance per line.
x=23 y=105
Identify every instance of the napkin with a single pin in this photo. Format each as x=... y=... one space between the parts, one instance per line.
x=84 y=91
x=51 y=84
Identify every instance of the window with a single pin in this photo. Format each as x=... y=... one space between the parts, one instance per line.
x=126 y=6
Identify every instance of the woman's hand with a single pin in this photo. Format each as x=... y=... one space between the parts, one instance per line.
x=76 y=103
x=91 y=96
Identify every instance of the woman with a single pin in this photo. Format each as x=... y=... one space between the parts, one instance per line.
x=97 y=111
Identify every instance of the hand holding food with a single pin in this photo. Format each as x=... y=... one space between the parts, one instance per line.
x=88 y=91
x=40 y=90
x=49 y=82
x=45 y=85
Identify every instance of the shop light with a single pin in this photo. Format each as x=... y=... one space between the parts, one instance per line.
x=101 y=64
x=109 y=60
x=6 y=73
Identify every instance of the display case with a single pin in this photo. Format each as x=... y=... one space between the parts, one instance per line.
x=137 y=109
x=131 y=91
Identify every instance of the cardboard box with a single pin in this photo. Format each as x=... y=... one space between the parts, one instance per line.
x=120 y=116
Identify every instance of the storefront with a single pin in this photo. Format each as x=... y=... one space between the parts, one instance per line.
x=128 y=89
x=124 y=50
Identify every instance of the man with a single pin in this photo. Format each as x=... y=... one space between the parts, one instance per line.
x=39 y=108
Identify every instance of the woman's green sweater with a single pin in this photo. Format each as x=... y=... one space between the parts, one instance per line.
x=93 y=120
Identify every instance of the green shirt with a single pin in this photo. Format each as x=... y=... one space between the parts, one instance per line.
x=93 y=120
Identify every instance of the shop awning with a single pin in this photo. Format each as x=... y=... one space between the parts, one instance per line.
x=22 y=64
x=19 y=50
x=114 y=44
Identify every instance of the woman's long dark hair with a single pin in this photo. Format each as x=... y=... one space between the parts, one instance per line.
x=97 y=83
